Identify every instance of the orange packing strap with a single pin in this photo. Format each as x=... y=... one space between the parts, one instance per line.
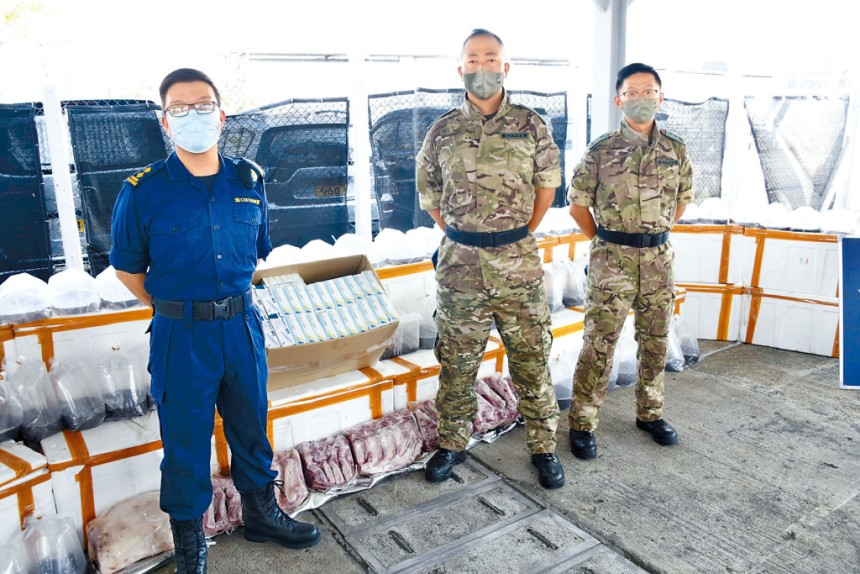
x=24 y=492
x=18 y=465
x=569 y=329
x=835 y=353
x=222 y=454
x=81 y=456
x=499 y=353
x=572 y=239
x=757 y=294
x=401 y=270
x=761 y=234
x=44 y=329
x=411 y=378
x=6 y=334
x=547 y=243
x=727 y=292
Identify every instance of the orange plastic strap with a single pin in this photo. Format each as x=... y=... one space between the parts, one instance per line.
x=24 y=492
x=401 y=270
x=415 y=374
x=725 y=256
x=6 y=334
x=18 y=465
x=222 y=454
x=371 y=389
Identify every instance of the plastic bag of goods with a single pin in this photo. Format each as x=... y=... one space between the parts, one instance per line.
x=113 y=294
x=79 y=394
x=24 y=298
x=41 y=412
x=675 y=361
x=51 y=545
x=73 y=292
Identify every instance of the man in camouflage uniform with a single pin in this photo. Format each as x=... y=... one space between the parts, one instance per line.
x=637 y=180
x=487 y=174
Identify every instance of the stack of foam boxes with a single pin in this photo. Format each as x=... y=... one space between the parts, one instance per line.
x=760 y=286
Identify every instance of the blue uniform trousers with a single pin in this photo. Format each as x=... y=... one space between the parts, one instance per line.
x=196 y=366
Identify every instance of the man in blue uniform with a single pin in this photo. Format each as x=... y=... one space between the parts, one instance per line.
x=187 y=235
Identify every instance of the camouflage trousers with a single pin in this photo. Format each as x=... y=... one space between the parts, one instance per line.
x=619 y=278
x=464 y=319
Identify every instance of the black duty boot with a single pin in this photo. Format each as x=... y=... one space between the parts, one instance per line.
x=190 y=544
x=441 y=465
x=661 y=431
x=582 y=444
x=550 y=471
x=266 y=522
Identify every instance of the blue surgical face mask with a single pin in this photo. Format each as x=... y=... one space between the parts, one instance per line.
x=195 y=132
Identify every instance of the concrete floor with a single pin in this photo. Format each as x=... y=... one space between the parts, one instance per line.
x=765 y=479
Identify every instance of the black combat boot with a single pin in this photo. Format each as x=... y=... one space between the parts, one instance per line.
x=582 y=444
x=550 y=471
x=441 y=465
x=190 y=544
x=661 y=431
x=266 y=522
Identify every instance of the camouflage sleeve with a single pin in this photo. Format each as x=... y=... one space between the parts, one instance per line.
x=685 y=189
x=428 y=174
x=547 y=172
x=583 y=184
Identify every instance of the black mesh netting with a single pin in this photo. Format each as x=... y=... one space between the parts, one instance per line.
x=703 y=127
x=799 y=141
x=398 y=124
x=109 y=143
x=24 y=241
x=302 y=146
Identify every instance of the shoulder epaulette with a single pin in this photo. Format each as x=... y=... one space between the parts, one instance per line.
x=146 y=172
x=249 y=172
x=602 y=138
x=673 y=136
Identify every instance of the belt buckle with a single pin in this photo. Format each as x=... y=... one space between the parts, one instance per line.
x=220 y=308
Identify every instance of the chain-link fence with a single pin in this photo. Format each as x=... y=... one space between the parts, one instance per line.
x=398 y=124
x=24 y=243
x=799 y=141
x=703 y=127
x=302 y=146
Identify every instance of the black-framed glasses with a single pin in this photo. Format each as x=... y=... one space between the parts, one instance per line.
x=644 y=94
x=179 y=110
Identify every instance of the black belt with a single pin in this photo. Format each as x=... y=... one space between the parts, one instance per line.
x=633 y=239
x=225 y=308
x=487 y=238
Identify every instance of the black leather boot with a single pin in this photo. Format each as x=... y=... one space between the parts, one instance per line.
x=550 y=471
x=190 y=544
x=582 y=444
x=441 y=465
x=661 y=431
x=266 y=522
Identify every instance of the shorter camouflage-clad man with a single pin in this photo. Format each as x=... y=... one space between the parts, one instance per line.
x=637 y=180
x=487 y=174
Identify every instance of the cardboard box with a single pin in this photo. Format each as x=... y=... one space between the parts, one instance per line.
x=301 y=363
x=25 y=488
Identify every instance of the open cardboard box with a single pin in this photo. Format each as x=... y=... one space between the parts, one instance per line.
x=301 y=363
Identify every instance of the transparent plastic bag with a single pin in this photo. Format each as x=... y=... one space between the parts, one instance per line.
x=112 y=293
x=124 y=385
x=73 y=292
x=24 y=298
x=406 y=338
x=625 y=356
x=13 y=559
x=689 y=342
x=129 y=531
x=553 y=286
x=80 y=398
x=575 y=284
x=41 y=412
x=51 y=545
x=11 y=414
x=675 y=360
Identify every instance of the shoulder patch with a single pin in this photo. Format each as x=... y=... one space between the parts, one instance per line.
x=146 y=172
x=249 y=172
x=673 y=136
x=602 y=138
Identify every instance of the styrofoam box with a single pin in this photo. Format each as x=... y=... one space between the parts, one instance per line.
x=703 y=311
x=699 y=255
x=794 y=265
x=408 y=292
x=94 y=469
x=322 y=408
x=25 y=488
x=85 y=344
x=784 y=321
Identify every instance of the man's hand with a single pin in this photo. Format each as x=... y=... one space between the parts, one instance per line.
x=134 y=283
x=584 y=219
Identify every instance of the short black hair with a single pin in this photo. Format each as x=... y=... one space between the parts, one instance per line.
x=480 y=32
x=635 y=68
x=186 y=75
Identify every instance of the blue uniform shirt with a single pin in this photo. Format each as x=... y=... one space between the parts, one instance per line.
x=196 y=245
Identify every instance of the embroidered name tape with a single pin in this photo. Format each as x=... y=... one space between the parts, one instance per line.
x=667 y=162
x=247 y=200
x=519 y=136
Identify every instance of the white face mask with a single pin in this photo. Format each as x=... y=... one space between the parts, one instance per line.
x=195 y=132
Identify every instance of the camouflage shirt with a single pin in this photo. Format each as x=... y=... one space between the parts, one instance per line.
x=482 y=175
x=634 y=185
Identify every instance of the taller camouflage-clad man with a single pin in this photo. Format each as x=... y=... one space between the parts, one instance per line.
x=487 y=174
x=637 y=180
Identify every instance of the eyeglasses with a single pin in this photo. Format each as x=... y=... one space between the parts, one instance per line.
x=645 y=95
x=180 y=110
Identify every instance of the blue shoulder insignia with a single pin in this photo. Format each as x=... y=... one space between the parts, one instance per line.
x=673 y=136
x=249 y=172
x=146 y=172
x=602 y=138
